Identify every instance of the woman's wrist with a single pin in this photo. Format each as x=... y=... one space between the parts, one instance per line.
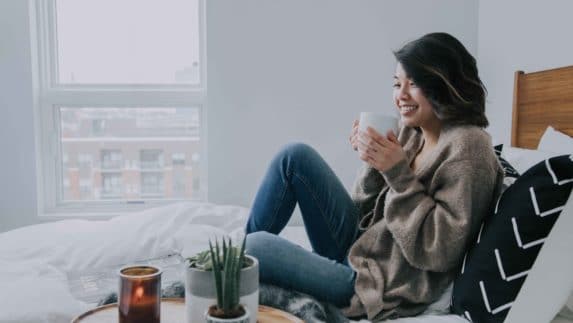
x=398 y=175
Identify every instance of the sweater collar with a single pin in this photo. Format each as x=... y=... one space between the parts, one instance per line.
x=417 y=143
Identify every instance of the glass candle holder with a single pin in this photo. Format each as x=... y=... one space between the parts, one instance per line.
x=139 y=294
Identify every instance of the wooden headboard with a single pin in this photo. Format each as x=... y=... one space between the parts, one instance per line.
x=541 y=99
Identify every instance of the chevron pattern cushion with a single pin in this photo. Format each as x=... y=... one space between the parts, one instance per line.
x=508 y=169
x=509 y=240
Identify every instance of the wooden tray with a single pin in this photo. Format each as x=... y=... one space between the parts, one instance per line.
x=173 y=311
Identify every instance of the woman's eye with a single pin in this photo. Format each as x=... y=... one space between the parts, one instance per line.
x=412 y=84
x=396 y=85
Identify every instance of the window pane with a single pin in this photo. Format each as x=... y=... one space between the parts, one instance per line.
x=151 y=159
x=127 y=41
x=129 y=153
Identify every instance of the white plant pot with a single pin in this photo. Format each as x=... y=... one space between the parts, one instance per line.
x=243 y=319
x=200 y=292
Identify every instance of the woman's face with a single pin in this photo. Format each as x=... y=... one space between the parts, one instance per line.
x=415 y=109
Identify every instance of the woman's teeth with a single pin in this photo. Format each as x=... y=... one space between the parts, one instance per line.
x=408 y=108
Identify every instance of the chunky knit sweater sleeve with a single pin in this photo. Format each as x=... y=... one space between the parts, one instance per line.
x=367 y=187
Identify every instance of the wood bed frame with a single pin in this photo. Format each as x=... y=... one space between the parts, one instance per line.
x=541 y=99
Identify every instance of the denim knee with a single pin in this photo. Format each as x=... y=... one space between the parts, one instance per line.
x=257 y=243
x=295 y=152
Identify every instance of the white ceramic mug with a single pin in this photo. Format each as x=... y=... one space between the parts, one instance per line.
x=381 y=122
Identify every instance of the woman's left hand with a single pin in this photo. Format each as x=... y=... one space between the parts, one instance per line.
x=378 y=151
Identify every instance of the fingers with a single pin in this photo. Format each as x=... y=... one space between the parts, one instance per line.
x=371 y=140
x=380 y=152
x=370 y=146
x=353 y=135
x=373 y=133
x=381 y=140
x=365 y=153
x=362 y=147
x=388 y=141
x=370 y=156
x=392 y=137
x=366 y=141
x=354 y=142
x=354 y=128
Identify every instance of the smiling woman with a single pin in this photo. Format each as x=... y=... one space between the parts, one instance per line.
x=392 y=247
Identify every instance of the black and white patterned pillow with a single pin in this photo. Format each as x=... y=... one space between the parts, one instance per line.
x=510 y=174
x=509 y=240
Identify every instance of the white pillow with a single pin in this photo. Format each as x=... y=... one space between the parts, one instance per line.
x=553 y=140
x=522 y=159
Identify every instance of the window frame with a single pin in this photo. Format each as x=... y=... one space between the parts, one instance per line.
x=50 y=96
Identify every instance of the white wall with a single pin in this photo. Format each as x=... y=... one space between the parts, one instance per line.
x=17 y=162
x=278 y=71
x=297 y=70
x=519 y=35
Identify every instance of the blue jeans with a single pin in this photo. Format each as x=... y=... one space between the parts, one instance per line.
x=298 y=174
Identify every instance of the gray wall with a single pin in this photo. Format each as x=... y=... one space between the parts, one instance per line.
x=278 y=71
x=519 y=35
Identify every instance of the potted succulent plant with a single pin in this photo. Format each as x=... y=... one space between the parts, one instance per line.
x=219 y=280
x=227 y=275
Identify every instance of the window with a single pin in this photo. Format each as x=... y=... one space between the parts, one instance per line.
x=181 y=180
x=117 y=100
x=151 y=159
x=178 y=159
x=151 y=183
x=111 y=159
x=111 y=185
x=98 y=127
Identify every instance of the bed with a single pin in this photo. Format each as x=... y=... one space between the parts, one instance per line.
x=47 y=270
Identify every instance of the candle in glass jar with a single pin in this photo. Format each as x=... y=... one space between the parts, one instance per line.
x=139 y=294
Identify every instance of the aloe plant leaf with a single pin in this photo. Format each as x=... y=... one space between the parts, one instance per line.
x=225 y=249
x=218 y=254
x=216 y=276
x=228 y=289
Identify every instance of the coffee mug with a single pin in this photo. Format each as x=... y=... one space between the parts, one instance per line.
x=381 y=122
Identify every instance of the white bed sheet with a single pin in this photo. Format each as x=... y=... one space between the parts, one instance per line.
x=34 y=260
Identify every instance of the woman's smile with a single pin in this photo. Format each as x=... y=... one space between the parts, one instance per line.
x=408 y=109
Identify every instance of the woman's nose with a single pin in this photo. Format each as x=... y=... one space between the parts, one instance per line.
x=403 y=93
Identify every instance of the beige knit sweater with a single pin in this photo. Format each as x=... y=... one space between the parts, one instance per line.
x=417 y=225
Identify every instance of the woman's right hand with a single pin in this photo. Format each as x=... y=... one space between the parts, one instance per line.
x=354 y=136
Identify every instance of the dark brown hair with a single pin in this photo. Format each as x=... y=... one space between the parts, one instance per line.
x=447 y=74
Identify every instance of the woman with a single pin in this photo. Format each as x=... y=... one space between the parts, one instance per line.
x=394 y=246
